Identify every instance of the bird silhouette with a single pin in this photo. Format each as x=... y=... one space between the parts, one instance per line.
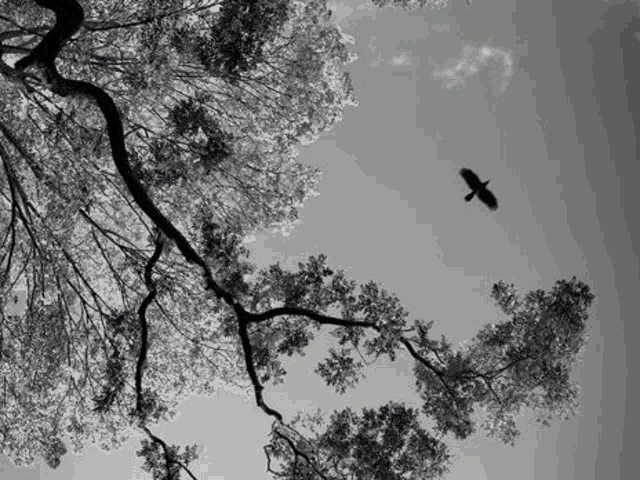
x=479 y=188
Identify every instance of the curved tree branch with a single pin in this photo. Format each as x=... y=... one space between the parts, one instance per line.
x=69 y=17
x=142 y=310
x=169 y=458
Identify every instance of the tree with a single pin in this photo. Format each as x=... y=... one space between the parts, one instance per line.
x=141 y=294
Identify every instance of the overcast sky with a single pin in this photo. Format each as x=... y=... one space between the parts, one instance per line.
x=547 y=115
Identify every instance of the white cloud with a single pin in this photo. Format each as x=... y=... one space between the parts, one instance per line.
x=474 y=60
x=402 y=59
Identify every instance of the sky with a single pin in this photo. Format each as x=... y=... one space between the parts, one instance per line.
x=536 y=96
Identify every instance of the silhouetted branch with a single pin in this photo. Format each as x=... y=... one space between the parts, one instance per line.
x=169 y=457
x=142 y=310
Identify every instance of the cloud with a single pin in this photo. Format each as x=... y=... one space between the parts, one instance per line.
x=475 y=59
x=402 y=59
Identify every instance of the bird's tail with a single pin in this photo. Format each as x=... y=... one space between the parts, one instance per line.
x=470 y=196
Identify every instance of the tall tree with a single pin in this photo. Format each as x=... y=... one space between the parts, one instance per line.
x=140 y=291
x=79 y=242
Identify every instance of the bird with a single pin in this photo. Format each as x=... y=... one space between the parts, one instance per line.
x=484 y=194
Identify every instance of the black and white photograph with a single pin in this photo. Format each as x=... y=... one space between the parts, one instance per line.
x=319 y=240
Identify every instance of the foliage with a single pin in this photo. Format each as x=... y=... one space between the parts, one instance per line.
x=234 y=44
x=546 y=338
x=385 y=444
x=157 y=455
x=523 y=363
x=78 y=242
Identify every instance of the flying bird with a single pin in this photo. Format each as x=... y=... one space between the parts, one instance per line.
x=480 y=188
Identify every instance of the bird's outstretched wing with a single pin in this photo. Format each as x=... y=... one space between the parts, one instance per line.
x=473 y=181
x=488 y=198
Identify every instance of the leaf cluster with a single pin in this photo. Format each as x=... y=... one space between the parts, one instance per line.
x=164 y=461
x=387 y=443
x=234 y=43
